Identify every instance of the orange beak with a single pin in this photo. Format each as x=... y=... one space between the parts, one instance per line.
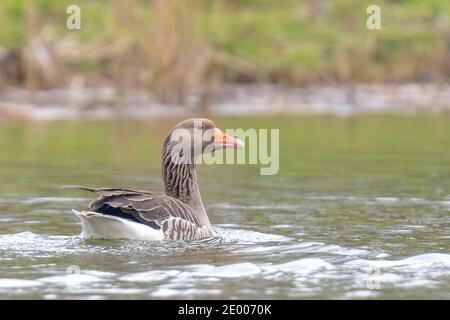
x=222 y=141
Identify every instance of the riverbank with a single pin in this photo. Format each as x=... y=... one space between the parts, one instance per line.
x=105 y=102
x=171 y=47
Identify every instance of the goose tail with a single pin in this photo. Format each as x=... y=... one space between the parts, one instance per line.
x=80 y=188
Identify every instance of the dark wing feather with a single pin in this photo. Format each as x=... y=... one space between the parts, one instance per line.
x=149 y=208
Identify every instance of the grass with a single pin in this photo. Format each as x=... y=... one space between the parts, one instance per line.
x=169 y=46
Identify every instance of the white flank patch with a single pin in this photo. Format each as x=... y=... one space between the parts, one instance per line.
x=99 y=226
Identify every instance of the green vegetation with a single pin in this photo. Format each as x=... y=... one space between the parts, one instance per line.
x=184 y=45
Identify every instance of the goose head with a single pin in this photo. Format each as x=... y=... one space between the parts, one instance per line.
x=191 y=138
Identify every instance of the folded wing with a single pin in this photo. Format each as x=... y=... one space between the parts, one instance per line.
x=177 y=220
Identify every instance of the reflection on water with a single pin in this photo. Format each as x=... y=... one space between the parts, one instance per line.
x=360 y=209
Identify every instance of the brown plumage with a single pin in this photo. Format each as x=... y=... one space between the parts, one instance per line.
x=179 y=213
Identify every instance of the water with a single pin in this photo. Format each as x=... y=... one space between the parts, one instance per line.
x=359 y=209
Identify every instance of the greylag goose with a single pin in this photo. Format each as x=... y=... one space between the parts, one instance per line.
x=178 y=214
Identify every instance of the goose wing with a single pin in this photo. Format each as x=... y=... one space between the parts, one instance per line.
x=177 y=220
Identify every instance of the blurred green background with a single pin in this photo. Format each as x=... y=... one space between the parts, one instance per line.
x=174 y=46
